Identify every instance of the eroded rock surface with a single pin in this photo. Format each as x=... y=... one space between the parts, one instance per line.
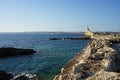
x=104 y=75
x=26 y=76
x=97 y=56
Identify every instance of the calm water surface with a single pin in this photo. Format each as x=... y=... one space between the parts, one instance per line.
x=50 y=57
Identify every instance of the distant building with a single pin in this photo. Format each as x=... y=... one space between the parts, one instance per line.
x=88 y=32
x=100 y=35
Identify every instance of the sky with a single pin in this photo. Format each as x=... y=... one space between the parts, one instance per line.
x=59 y=15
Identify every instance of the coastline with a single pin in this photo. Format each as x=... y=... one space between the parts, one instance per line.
x=96 y=61
x=49 y=53
x=93 y=46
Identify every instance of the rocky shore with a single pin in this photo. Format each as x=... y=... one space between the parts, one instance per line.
x=10 y=51
x=23 y=76
x=96 y=59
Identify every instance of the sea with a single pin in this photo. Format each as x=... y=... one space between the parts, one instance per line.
x=50 y=55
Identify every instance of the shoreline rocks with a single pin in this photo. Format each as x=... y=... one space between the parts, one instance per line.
x=5 y=76
x=97 y=56
x=97 y=61
x=23 y=76
x=10 y=51
x=104 y=75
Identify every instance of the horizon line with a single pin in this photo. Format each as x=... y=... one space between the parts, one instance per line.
x=52 y=31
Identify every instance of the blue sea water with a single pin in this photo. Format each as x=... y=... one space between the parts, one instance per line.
x=50 y=55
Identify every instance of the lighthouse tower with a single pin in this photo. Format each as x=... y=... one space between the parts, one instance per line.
x=88 y=32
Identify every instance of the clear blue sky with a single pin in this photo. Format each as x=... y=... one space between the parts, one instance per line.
x=59 y=15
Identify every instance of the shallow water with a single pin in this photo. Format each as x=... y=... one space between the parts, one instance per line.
x=50 y=57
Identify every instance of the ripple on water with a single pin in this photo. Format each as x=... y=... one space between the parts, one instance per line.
x=50 y=56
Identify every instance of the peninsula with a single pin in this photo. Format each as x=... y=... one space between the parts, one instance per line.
x=97 y=61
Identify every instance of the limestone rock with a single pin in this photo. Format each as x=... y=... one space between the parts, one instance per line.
x=97 y=56
x=108 y=49
x=82 y=62
x=93 y=50
x=87 y=65
x=77 y=76
x=103 y=75
x=26 y=76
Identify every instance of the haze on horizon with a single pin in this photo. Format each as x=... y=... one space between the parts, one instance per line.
x=59 y=15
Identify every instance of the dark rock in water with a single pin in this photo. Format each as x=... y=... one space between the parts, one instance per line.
x=10 y=51
x=5 y=76
x=26 y=76
x=81 y=38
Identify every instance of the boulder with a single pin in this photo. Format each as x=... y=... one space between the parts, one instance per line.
x=66 y=76
x=5 y=76
x=92 y=50
x=97 y=56
x=82 y=61
x=26 y=76
x=104 y=75
x=109 y=65
x=10 y=51
x=108 y=49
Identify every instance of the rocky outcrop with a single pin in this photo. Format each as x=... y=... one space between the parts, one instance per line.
x=26 y=76
x=5 y=76
x=104 y=75
x=97 y=56
x=4 y=52
x=23 y=76
x=97 y=59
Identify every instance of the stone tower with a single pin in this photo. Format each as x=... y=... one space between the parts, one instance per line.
x=88 y=32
